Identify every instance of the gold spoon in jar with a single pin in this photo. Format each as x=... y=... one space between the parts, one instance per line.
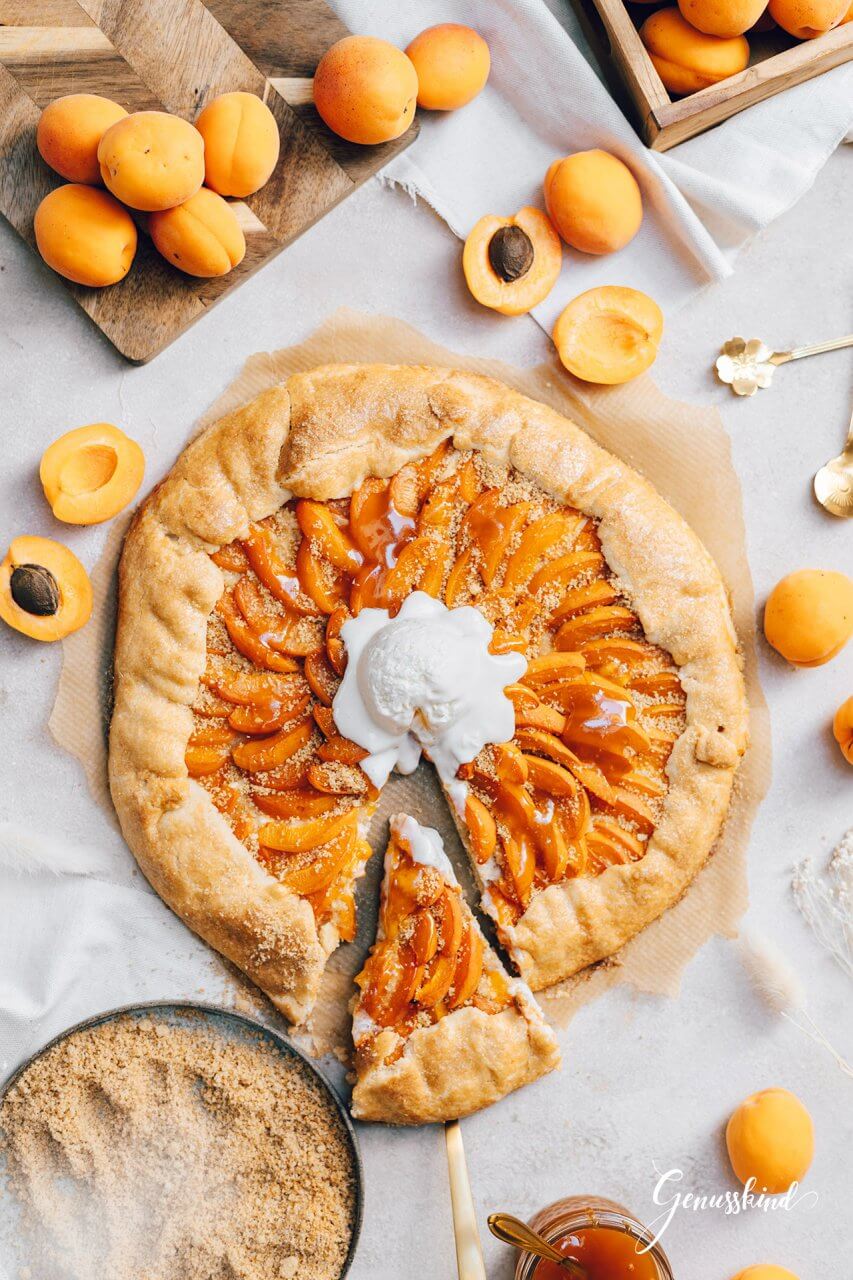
x=747 y=366
x=512 y=1230
x=833 y=484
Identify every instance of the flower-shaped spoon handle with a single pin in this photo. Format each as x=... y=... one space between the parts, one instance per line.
x=747 y=366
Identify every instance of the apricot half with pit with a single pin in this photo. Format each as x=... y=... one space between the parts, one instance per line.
x=808 y=617
x=91 y=473
x=45 y=592
x=85 y=235
x=770 y=1139
x=201 y=236
x=594 y=201
x=842 y=729
x=366 y=90
x=609 y=335
x=241 y=143
x=511 y=264
x=453 y=64
x=68 y=133
x=152 y=160
x=687 y=59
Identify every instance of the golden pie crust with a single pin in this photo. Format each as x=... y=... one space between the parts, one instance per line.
x=319 y=435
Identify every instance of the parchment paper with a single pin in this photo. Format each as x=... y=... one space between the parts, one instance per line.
x=684 y=452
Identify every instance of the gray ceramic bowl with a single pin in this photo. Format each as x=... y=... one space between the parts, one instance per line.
x=233 y=1025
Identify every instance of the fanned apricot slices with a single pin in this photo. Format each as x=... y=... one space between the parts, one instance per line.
x=91 y=473
x=439 y=1027
x=609 y=335
x=511 y=264
x=45 y=592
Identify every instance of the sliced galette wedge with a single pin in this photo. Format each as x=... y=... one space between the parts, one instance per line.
x=439 y=1027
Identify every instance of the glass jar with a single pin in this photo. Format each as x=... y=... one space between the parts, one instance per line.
x=578 y=1212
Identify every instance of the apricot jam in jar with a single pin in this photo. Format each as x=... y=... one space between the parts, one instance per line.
x=599 y=1234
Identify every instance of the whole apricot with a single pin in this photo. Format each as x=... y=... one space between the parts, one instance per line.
x=842 y=728
x=366 y=89
x=152 y=160
x=511 y=264
x=808 y=617
x=609 y=335
x=68 y=133
x=85 y=235
x=201 y=236
x=241 y=143
x=594 y=201
x=453 y=64
x=45 y=592
x=91 y=473
x=765 y=1271
x=848 y=17
x=687 y=59
x=770 y=1138
x=722 y=17
x=807 y=19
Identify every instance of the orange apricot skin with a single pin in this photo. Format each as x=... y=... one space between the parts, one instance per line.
x=808 y=617
x=724 y=18
x=85 y=235
x=594 y=201
x=770 y=1137
x=513 y=297
x=366 y=90
x=687 y=59
x=452 y=63
x=201 y=236
x=68 y=133
x=807 y=19
x=152 y=160
x=75 y=589
x=91 y=473
x=609 y=335
x=765 y=1271
x=842 y=729
x=241 y=143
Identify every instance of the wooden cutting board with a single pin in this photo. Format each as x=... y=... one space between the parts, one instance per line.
x=175 y=55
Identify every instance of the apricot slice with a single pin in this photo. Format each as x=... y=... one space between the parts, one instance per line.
x=91 y=473
x=201 y=237
x=264 y=754
x=45 y=592
x=770 y=1137
x=469 y=967
x=594 y=201
x=85 y=235
x=609 y=335
x=511 y=264
x=842 y=729
x=687 y=59
x=482 y=832
x=452 y=63
x=68 y=133
x=241 y=143
x=366 y=90
x=808 y=617
x=298 y=837
x=152 y=160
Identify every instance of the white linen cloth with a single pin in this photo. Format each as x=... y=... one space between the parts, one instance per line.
x=703 y=199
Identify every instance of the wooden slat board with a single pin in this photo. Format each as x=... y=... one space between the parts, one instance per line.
x=175 y=55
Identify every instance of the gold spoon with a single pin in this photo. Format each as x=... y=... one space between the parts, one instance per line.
x=747 y=366
x=833 y=484
x=469 y=1255
x=512 y=1230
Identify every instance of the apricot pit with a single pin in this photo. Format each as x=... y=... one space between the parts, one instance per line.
x=609 y=335
x=511 y=264
x=91 y=473
x=45 y=592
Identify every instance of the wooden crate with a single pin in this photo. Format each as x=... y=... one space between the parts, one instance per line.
x=777 y=62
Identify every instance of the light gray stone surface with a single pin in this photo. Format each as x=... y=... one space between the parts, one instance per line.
x=647 y=1082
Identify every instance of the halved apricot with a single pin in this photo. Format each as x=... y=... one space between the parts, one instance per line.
x=609 y=335
x=45 y=592
x=511 y=264
x=90 y=474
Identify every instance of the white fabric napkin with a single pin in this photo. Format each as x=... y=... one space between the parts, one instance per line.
x=704 y=199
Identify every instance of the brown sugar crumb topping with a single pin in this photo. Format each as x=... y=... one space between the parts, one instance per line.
x=143 y=1149
x=597 y=713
